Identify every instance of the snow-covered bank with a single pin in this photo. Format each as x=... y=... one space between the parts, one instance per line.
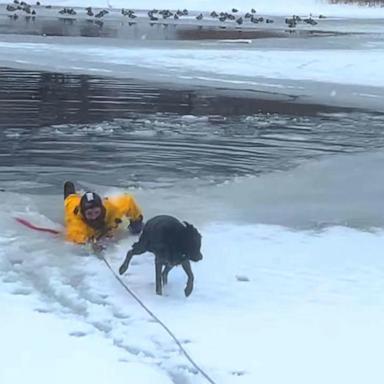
x=270 y=305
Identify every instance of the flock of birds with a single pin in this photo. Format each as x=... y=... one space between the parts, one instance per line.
x=156 y=15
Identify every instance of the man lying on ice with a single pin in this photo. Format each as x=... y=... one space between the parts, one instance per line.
x=89 y=218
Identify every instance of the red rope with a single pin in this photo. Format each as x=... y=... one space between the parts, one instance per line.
x=31 y=226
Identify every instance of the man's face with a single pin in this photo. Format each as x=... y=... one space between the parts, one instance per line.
x=92 y=213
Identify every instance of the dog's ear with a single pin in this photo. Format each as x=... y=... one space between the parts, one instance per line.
x=191 y=229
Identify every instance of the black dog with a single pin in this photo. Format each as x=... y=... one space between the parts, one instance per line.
x=172 y=243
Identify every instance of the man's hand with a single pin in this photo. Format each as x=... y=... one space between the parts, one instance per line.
x=98 y=247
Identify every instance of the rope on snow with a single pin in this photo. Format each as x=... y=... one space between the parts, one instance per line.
x=170 y=333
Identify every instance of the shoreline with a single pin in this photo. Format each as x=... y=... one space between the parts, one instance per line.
x=51 y=21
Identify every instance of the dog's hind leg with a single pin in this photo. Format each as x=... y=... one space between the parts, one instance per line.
x=164 y=274
x=158 y=267
x=188 y=270
x=137 y=249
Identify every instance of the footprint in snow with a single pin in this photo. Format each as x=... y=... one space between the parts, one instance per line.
x=16 y=262
x=10 y=279
x=242 y=278
x=78 y=334
x=238 y=373
x=22 y=291
x=42 y=310
x=120 y=315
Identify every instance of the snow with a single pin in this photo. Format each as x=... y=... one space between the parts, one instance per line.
x=41 y=346
x=270 y=305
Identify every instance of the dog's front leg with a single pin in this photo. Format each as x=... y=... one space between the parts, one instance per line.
x=188 y=270
x=137 y=249
x=158 y=266
x=126 y=262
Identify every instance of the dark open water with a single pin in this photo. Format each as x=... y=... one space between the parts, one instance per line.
x=124 y=133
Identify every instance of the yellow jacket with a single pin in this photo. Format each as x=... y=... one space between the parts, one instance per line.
x=117 y=207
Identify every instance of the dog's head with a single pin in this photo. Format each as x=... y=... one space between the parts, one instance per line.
x=193 y=242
